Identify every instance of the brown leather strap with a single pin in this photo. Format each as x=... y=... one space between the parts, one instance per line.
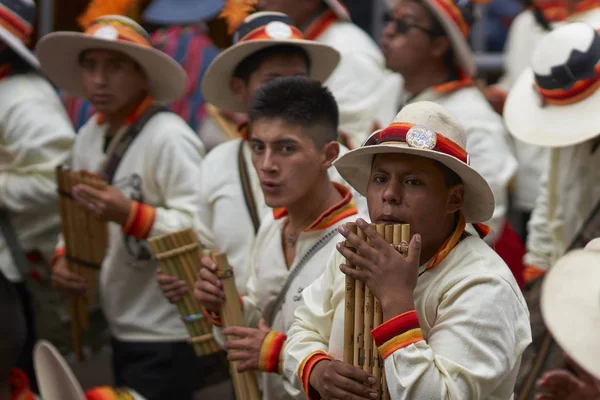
x=247 y=189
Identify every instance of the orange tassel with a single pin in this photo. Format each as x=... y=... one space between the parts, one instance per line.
x=236 y=11
x=100 y=8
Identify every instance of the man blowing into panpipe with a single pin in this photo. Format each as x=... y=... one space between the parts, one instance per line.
x=294 y=124
x=151 y=160
x=456 y=323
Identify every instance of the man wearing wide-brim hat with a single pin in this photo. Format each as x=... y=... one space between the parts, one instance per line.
x=571 y=310
x=151 y=160
x=361 y=82
x=35 y=137
x=456 y=323
x=426 y=41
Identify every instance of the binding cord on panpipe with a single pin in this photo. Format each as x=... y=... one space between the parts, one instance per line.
x=363 y=311
x=244 y=383
x=179 y=254
x=86 y=239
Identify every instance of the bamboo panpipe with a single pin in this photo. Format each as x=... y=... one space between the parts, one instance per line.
x=86 y=239
x=179 y=254
x=363 y=311
x=244 y=383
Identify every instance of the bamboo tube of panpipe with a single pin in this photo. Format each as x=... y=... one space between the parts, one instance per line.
x=245 y=383
x=349 y=309
x=359 y=304
x=368 y=324
x=385 y=231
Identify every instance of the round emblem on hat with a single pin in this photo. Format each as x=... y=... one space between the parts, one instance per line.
x=421 y=137
x=278 y=30
x=107 y=33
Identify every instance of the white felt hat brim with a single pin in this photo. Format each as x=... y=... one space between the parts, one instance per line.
x=570 y=305
x=59 y=54
x=479 y=203
x=549 y=125
x=216 y=82
x=55 y=379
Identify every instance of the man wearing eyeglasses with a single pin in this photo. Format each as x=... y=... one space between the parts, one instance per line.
x=426 y=42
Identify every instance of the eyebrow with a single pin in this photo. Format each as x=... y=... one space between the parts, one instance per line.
x=279 y=142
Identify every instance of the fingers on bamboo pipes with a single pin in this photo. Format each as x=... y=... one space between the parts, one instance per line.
x=349 y=309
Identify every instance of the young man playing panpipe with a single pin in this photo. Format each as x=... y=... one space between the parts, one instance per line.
x=294 y=129
x=426 y=41
x=151 y=160
x=267 y=46
x=455 y=322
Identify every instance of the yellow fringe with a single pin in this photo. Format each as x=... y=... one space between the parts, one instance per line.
x=99 y=8
x=236 y=11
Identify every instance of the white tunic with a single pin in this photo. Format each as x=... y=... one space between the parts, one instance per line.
x=570 y=191
x=36 y=137
x=161 y=168
x=474 y=322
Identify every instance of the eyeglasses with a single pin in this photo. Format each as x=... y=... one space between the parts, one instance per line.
x=402 y=27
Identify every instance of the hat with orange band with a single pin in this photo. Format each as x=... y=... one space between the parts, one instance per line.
x=260 y=31
x=59 y=54
x=555 y=101
x=423 y=129
x=16 y=27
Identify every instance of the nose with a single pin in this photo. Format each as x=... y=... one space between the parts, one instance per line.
x=393 y=193
x=99 y=77
x=389 y=31
x=268 y=164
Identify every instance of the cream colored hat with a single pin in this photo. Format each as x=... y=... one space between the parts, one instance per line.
x=570 y=305
x=555 y=101
x=55 y=378
x=453 y=21
x=59 y=54
x=260 y=31
x=428 y=130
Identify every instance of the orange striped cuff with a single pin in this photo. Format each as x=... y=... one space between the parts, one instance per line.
x=107 y=393
x=58 y=253
x=271 y=351
x=531 y=273
x=140 y=220
x=305 y=370
x=397 y=333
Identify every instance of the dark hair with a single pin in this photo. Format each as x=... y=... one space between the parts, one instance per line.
x=12 y=327
x=252 y=63
x=298 y=101
x=17 y=63
x=451 y=178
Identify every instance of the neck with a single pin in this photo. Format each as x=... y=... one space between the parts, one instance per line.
x=5 y=391
x=430 y=75
x=117 y=119
x=432 y=246
x=322 y=197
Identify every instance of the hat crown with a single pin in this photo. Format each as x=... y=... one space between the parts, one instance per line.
x=435 y=117
x=569 y=44
x=594 y=245
x=118 y=27
x=259 y=20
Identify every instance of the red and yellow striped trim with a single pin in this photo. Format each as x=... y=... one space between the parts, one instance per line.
x=581 y=90
x=531 y=273
x=140 y=221
x=125 y=32
x=19 y=383
x=557 y=11
x=397 y=333
x=453 y=86
x=16 y=25
x=305 y=369
x=344 y=209
x=262 y=34
x=271 y=351
x=320 y=25
x=108 y=393
x=140 y=109
x=450 y=10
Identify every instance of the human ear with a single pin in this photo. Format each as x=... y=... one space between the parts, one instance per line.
x=331 y=152
x=239 y=88
x=456 y=197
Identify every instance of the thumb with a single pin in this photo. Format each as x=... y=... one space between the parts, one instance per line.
x=414 y=250
x=262 y=325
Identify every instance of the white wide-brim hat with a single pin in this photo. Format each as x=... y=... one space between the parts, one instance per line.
x=17 y=18
x=555 y=101
x=55 y=379
x=338 y=8
x=260 y=31
x=570 y=305
x=452 y=20
x=59 y=54
x=432 y=132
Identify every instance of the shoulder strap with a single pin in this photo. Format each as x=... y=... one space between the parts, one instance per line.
x=125 y=141
x=271 y=308
x=247 y=189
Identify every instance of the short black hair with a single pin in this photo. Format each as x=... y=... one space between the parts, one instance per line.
x=298 y=101
x=253 y=62
x=13 y=328
x=451 y=178
x=17 y=63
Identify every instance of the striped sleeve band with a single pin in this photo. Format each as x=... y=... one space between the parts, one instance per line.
x=305 y=370
x=397 y=333
x=140 y=220
x=271 y=350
